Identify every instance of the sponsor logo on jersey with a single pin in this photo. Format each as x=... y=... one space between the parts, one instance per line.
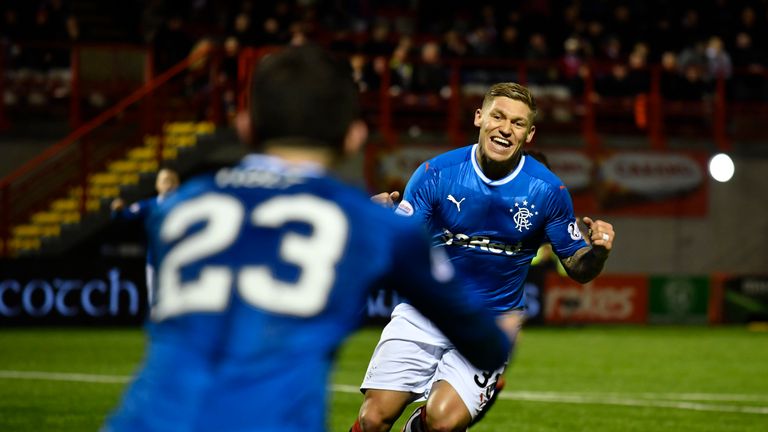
x=573 y=230
x=522 y=215
x=458 y=203
x=404 y=209
x=483 y=243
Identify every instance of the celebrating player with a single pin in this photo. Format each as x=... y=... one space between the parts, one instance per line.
x=264 y=268
x=166 y=182
x=489 y=207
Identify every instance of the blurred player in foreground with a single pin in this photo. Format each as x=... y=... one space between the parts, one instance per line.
x=489 y=207
x=264 y=268
x=166 y=182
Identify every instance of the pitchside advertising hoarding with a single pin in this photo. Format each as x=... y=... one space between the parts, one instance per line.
x=678 y=299
x=113 y=292
x=608 y=299
x=632 y=183
x=63 y=292
x=745 y=298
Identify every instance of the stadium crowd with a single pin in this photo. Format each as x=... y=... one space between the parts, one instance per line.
x=694 y=42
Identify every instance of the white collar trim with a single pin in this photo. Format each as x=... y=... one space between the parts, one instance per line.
x=500 y=181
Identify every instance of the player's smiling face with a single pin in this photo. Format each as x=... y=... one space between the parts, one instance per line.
x=505 y=126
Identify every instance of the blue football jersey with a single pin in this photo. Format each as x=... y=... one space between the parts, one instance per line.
x=262 y=270
x=140 y=211
x=492 y=229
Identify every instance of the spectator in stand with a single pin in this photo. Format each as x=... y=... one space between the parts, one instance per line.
x=298 y=34
x=611 y=49
x=749 y=24
x=571 y=65
x=11 y=33
x=536 y=54
x=11 y=29
x=622 y=25
x=379 y=42
x=430 y=74
x=751 y=63
x=594 y=35
x=271 y=32
x=616 y=84
x=243 y=30
x=400 y=67
x=691 y=31
x=671 y=79
x=694 y=86
x=746 y=55
x=227 y=79
x=364 y=72
x=171 y=44
x=638 y=74
x=718 y=60
x=481 y=42
x=509 y=46
x=454 y=45
x=693 y=56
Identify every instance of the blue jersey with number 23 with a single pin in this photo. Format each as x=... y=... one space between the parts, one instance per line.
x=262 y=270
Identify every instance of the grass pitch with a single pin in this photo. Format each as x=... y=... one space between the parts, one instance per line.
x=562 y=379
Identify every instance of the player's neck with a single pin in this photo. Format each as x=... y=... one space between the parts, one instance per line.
x=497 y=170
x=297 y=154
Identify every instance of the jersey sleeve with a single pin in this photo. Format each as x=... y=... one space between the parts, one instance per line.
x=425 y=278
x=562 y=229
x=419 y=194
x=136 y=210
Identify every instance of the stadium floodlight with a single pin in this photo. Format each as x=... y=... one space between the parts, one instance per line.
x=721 y=167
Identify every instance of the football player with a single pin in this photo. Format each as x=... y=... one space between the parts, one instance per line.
x=166 y=182
x=489 y=207
x=265 y=267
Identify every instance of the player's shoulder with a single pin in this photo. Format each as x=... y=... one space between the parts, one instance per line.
x=437 y=166
x=539 y=172
x=451 y=158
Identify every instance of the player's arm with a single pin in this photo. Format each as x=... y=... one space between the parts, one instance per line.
x=588 y=262
x=424 y=276
x=386 y=199
x=582 y=261
x=137 y=210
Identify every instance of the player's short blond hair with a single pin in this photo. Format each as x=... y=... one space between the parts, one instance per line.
x=513 y=91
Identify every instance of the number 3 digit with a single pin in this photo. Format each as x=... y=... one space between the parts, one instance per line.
x=316 y=254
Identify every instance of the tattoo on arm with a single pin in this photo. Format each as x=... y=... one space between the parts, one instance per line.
x=585 y=264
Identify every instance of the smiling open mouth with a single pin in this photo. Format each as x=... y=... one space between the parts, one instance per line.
x=501 y=141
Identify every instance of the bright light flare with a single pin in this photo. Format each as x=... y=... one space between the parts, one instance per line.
x=721 y=167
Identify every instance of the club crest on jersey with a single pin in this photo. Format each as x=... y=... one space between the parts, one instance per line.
x=458 y=203
x=522 y=215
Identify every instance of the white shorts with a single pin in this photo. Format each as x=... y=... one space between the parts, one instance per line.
x=412 y=355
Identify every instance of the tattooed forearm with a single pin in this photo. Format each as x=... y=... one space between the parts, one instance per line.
x=585 y=264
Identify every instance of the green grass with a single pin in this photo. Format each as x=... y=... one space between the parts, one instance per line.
x=614 y=376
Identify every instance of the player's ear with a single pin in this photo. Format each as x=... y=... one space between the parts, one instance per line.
x=244 y=127
x=531 y=132
x=355 y=138
x=478 y=117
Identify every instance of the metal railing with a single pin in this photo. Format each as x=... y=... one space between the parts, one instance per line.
x=105 y=137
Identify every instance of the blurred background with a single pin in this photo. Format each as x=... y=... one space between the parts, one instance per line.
x=634 y=97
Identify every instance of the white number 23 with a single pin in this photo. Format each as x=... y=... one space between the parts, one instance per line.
x=316 y=255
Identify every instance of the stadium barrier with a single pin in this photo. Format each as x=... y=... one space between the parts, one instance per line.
x=70 y=292
x=110 y=291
